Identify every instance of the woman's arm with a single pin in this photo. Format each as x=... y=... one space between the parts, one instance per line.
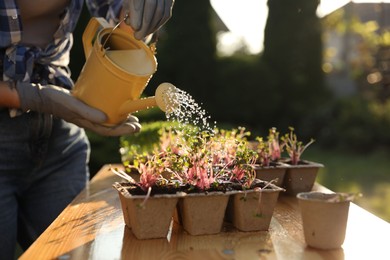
x=123 y=25
x=8 y=95
x=147 y=16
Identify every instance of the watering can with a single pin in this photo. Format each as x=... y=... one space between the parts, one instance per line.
x=118 y=68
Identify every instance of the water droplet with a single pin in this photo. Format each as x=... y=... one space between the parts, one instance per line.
x=187 y=111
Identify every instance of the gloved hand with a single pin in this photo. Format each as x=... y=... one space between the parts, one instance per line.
x=59 y=102
x=128 y=127
x=147 y=16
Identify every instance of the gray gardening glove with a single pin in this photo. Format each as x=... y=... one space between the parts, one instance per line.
x=147 y=16
x=59 y=102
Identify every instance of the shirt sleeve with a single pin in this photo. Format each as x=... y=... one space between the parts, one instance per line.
x=109 y=9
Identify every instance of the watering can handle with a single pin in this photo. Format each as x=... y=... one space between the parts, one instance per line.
x=90 y=32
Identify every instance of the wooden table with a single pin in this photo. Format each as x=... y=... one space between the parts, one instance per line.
x=92 y=227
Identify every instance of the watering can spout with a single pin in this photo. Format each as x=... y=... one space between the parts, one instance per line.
x=164 y=98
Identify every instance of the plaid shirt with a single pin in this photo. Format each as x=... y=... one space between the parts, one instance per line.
x=49 y=65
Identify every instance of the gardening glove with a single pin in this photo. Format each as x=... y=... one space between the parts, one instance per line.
x=59 y=102
x=147 y=16
x=128 y=127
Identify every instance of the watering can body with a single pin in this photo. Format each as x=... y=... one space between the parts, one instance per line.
x=107 y=84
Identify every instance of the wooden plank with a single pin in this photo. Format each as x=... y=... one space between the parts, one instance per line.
x=92 y=227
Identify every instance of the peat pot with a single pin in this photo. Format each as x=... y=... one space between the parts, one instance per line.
x=252 y=210
x=203 y=213
x=324 y=218
x=301 y=177
x=147 y=217
x=276 y=171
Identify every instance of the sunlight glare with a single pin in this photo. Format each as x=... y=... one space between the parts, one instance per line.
x=246 y=20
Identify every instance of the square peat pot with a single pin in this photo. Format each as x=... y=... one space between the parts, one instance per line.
x=276 y=171
x=252 y=210
x=150 y=218
x=203 y=213
x=301 y=177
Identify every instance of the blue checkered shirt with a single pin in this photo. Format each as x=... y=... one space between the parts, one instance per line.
x=49 y=65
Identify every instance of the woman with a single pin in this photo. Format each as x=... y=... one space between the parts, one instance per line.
x=44 y=151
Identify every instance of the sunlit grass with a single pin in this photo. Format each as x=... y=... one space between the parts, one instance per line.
x=368 y=174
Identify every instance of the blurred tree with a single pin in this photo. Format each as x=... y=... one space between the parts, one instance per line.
x=293 y=52
x=365 y=55
x=360 y=118
x=186 y=50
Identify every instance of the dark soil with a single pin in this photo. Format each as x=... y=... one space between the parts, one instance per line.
x=173 y=189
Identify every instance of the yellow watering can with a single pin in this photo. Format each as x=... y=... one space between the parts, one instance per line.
x=118 y=67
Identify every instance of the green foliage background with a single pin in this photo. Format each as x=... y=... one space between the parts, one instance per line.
x=283 y=86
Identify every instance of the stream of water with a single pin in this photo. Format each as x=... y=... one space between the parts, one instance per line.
x=187 y=111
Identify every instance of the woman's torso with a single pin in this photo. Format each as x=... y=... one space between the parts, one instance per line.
x=40 y=20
